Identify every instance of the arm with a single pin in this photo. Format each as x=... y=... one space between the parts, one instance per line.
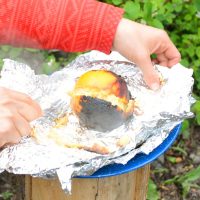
x=68 y=25
x=80 y=25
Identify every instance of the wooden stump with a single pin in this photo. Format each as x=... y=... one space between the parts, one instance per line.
x=130 y=186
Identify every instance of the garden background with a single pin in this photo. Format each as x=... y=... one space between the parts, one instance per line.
x=176 y=174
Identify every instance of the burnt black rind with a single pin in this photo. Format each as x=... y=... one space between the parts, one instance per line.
x=99 y=114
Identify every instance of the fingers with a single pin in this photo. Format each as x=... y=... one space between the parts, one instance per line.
x=167 y=54
x=28 y=108
x=27 y=111
x=21 y=125
x=162 y=60
x=24 y=109
x=13 y=127
x=150 y=75
x=172 y=54
x=137 y=42
x=16 y=111
x=8 y=131
x=26 y=99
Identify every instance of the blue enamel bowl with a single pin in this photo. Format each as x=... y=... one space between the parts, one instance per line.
x=139 y=160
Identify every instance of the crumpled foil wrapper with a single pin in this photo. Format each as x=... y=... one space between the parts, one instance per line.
x=158 y=113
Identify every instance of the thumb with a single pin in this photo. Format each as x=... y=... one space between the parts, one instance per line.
x=151 y=77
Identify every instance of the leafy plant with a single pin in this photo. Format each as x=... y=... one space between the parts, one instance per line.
x=186 y=181
x=45 y=61
x=152 y=193
x=6 y=195
x=185 y=129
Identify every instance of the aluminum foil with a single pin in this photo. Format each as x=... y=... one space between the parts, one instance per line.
x=47 y=153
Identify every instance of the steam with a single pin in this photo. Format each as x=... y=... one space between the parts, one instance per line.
x=19 y=47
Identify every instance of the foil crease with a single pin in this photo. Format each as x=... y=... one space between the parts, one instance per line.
x=160 y=111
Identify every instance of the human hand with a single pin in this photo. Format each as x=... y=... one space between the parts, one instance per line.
x=137 y=42
x=16 y=111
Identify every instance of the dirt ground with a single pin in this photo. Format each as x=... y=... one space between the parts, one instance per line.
x=161 y=170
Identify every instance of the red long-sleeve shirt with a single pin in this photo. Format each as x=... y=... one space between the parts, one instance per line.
x=68 y=25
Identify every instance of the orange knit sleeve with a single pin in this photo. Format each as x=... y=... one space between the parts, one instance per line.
x=68 y=25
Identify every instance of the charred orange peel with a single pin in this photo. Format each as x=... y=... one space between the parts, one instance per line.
x=101 y=100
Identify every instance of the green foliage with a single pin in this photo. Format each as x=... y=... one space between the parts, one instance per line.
x=152 y=193
x=6 y=195
x=196 y=110
x=133 y=10
x=179 y=149
x=117 y=2
x=185 y=129
x=171 y=159
x=186 y=181
x=160 y=170
x=45 y=61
